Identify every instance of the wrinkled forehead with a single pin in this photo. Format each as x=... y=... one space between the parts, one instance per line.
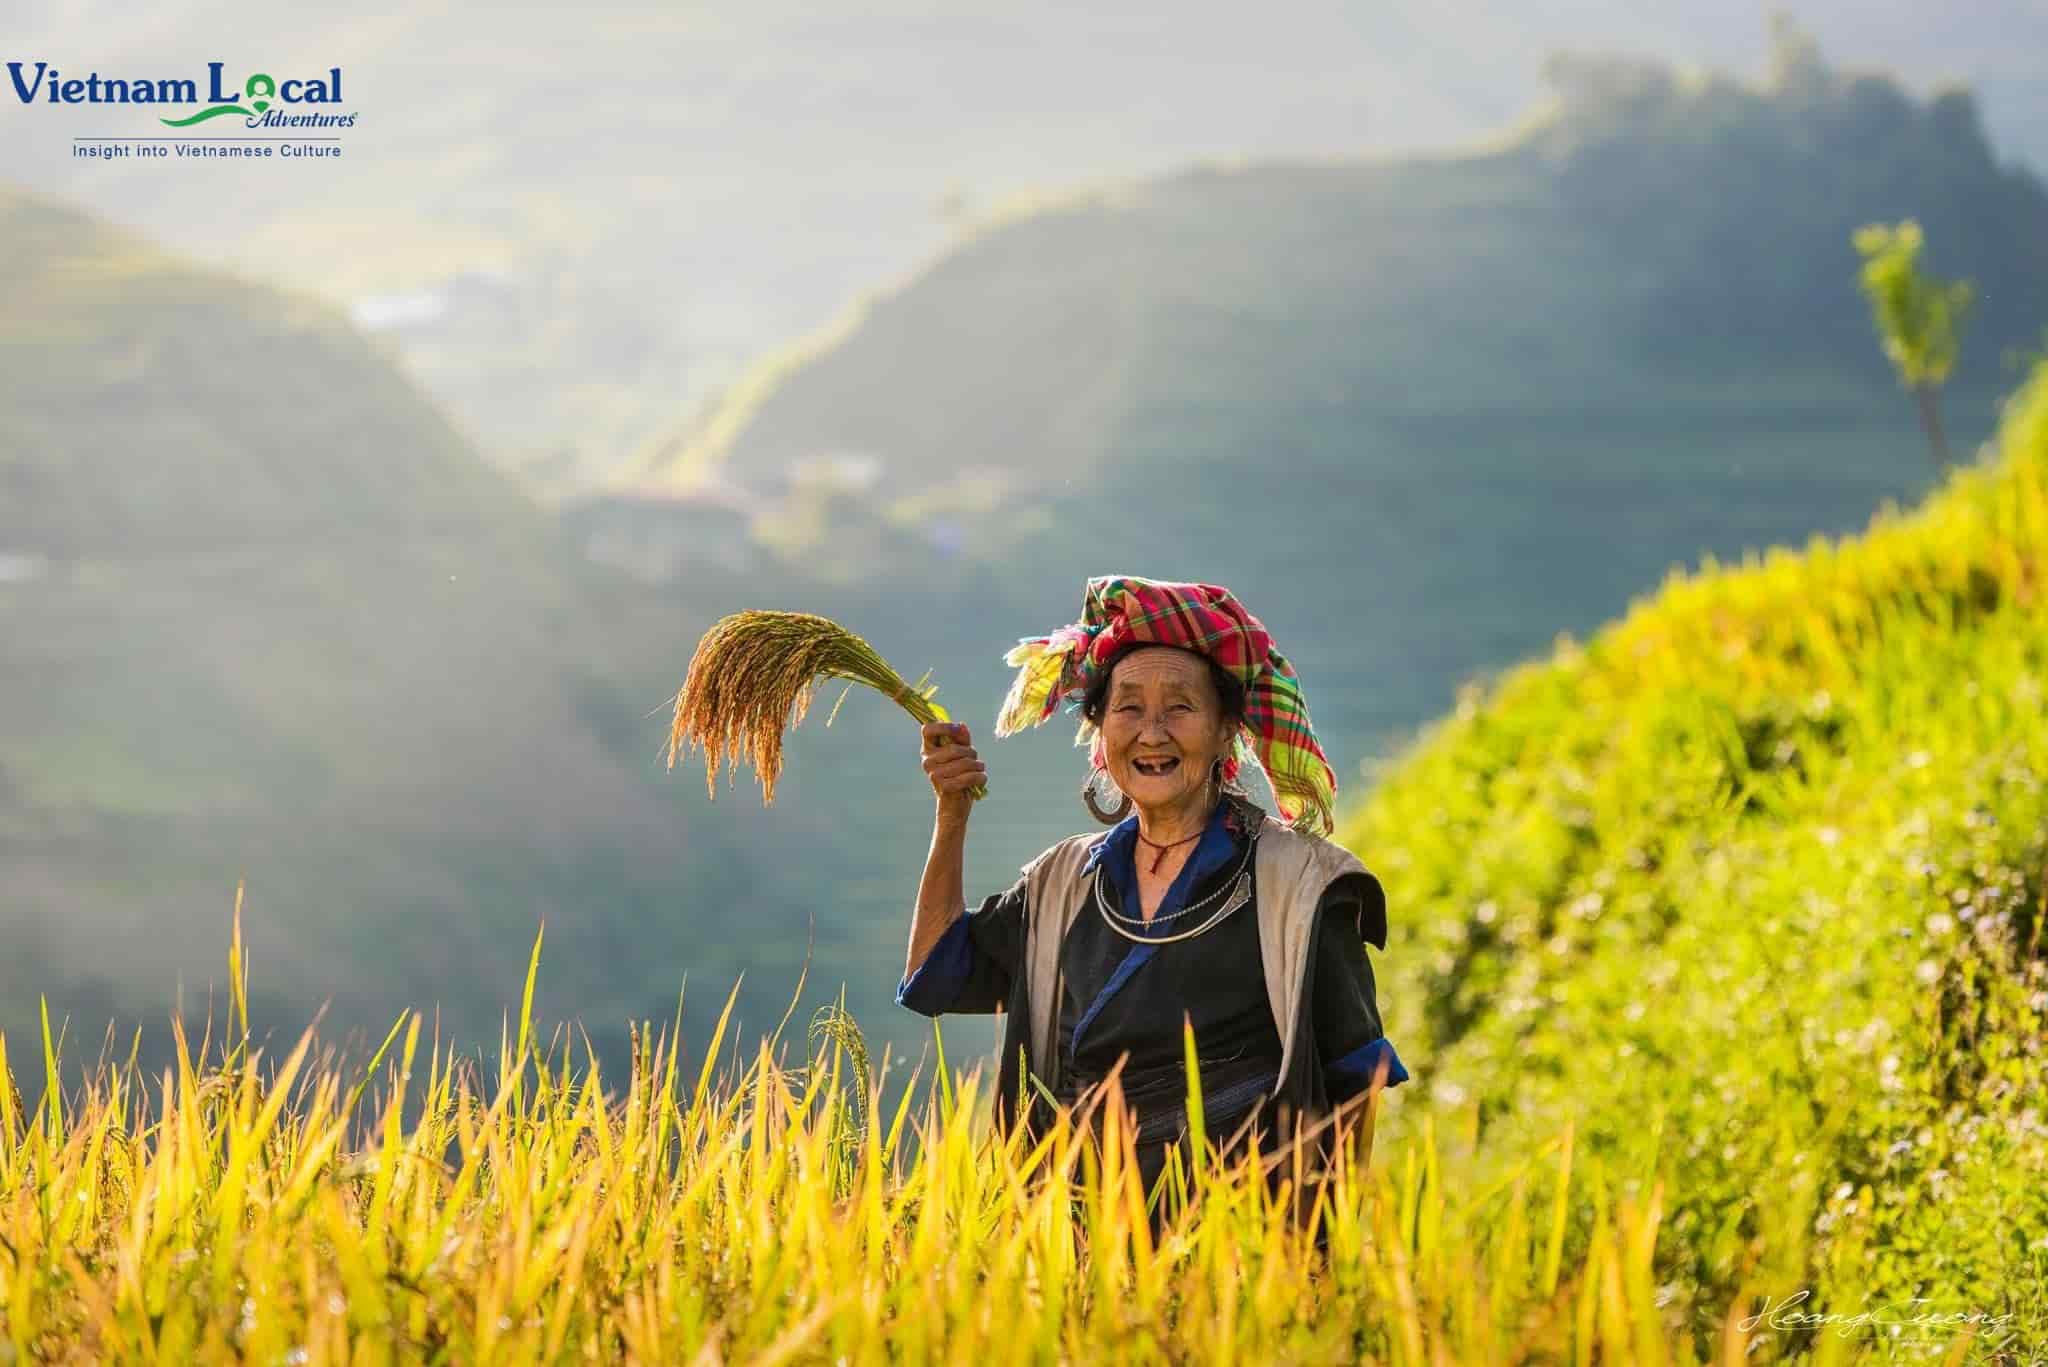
x=1153 y=668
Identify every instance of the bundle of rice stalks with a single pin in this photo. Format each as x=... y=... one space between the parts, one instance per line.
x=755 y=670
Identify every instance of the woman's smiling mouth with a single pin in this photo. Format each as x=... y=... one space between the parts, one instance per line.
x=1156 y=767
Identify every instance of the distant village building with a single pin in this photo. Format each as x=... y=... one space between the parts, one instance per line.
x=658 y=534
x=837 y=471
x=19 y=567
x=472 y=297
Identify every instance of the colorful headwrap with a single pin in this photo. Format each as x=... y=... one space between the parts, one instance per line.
x=1120 y=610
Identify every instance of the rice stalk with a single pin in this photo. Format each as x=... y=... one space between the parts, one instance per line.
x=755 y=672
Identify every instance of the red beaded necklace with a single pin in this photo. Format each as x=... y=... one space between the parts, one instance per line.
x=1230 y=819
x=1164 y=848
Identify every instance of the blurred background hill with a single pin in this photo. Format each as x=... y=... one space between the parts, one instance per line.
x=269 y=616
x=352 y=537
x=1641 y=308
x=579 y=223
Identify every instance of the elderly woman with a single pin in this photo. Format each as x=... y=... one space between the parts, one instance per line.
x=1196 y=904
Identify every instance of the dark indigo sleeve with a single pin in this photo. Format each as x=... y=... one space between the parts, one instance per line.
x=970 y=968
x=1350 y=1042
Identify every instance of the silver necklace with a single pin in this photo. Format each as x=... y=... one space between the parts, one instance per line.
x=1235 y=893
x=1223 y=890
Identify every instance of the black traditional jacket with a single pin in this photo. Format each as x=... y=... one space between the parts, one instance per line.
x=1085 y=981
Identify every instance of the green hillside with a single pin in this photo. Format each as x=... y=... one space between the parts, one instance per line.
x=1637 y=247
x=269 y=617
x=153 y=408
x=1750 y=886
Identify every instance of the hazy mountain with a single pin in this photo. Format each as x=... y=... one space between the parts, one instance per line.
x=1437 y=409
x=267 y=616
x=577 y=221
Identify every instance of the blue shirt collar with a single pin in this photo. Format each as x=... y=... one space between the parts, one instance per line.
x=1117 y=851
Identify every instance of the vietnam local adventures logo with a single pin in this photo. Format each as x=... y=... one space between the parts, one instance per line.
x=263 y=101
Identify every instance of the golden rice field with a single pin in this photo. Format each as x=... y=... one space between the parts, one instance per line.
x=230 y=1209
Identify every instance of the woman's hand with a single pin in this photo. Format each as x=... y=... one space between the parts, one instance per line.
x=955 y=771
x=953 y=767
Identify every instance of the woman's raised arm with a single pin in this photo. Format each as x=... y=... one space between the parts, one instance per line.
x=954 y=770
x=958 y=961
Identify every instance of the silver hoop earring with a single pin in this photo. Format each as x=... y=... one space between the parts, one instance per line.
x=1100 y=779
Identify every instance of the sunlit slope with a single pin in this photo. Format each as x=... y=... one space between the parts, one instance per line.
x=1755 y=876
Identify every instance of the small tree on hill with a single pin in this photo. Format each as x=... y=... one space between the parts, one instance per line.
x=1919 y=317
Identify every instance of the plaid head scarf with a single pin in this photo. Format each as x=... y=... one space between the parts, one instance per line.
x=1120 y=610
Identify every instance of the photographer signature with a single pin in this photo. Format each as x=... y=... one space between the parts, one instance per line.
x=1994 y=1330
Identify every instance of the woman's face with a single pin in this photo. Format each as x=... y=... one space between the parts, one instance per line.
x=1162 y=726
